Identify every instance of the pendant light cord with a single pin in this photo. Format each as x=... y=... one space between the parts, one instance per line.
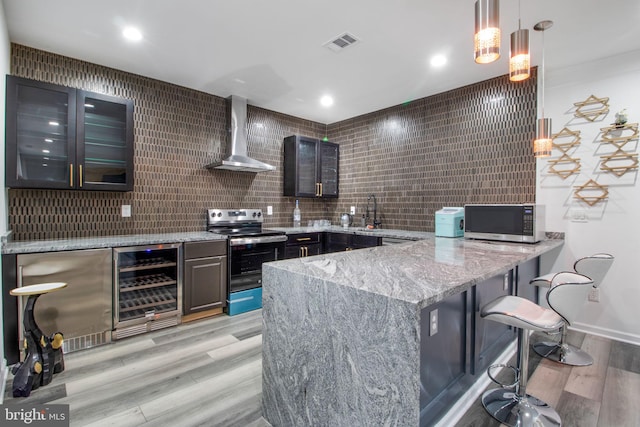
x=543 y=74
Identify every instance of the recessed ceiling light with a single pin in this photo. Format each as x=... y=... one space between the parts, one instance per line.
x=438 y=60
x=326 y=101
x=52 y=123
x=46 y=151
x=131 y=33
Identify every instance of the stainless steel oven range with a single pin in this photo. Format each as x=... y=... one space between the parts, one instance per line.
x=249 y=245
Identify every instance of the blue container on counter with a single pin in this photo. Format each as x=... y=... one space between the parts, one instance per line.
x=450 y=222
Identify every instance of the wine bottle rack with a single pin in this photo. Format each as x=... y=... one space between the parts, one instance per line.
x=147 y=286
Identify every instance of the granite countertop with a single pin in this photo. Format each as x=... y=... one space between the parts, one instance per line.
x=152 y=239
x=106 y=242
x=421 y=272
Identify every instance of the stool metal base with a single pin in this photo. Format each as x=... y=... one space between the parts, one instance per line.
x=515 y=411
x=563 y=353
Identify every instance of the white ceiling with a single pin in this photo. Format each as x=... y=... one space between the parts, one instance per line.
x=270 y=51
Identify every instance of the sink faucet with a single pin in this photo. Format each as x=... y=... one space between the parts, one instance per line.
x=376 y=223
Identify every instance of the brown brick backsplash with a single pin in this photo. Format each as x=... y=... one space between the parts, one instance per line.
x=453 y=148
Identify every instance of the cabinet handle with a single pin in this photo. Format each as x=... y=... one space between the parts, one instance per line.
x=320 y=190
x=303 y=239
x=80 y=174
x=71 y=175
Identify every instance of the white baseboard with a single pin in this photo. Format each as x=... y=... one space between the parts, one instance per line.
x=606 y=333
x=463 y=404
x=4 y=373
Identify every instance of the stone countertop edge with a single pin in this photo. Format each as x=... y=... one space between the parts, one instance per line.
x=420 y=273
x=378 y=232
x=106 y=242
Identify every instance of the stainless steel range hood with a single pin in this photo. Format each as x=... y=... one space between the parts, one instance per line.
x=237 y=158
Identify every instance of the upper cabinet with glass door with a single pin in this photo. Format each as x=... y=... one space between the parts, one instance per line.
x=60 y=137
x=310 y=167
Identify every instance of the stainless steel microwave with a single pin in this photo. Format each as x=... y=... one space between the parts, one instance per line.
x=509 y=223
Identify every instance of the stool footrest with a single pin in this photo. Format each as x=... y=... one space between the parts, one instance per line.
x=516 y=375
x=563 y=353
x=515 y=411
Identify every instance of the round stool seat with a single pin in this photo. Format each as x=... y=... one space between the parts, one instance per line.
x=521 y=313
x=39 y=289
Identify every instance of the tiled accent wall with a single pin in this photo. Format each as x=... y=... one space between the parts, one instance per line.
x=467 y=145
x=177 y=132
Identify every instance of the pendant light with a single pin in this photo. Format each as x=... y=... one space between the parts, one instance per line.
x=519 y=57
x=487 y=36
x=543 y=143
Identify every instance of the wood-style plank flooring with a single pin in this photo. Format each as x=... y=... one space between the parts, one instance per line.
x=604 y=394
x=208 y=373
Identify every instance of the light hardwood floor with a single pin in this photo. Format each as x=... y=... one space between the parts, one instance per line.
x=208 y=373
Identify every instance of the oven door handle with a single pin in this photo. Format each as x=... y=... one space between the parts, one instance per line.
x=238 y=241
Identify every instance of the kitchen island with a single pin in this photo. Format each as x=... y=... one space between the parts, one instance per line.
x=386 y=335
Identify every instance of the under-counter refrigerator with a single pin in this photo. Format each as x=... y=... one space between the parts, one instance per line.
x=82 y=310
x=147 y=288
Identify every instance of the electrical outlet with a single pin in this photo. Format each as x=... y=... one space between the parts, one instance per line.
x=594 y=294
x=352 y=211
x=269 y=210
x=126 y=211
x=433 y=322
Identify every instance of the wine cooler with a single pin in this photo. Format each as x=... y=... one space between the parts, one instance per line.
x=147 y=288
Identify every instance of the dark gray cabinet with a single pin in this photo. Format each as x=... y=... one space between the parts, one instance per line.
x=457 y=345
x=303 y=244
x=337 y=242
x=490 y=338
x=310 y=167
x=66 y=138
x=523 y=275
x=205 y=276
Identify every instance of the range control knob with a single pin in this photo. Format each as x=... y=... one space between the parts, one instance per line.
x=259 y=214
x=219 y=214
x=254 y=214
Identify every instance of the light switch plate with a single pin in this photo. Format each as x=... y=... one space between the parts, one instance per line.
x=126 y=211
x=269 y=210
x=433 y=322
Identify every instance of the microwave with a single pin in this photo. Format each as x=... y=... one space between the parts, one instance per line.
x=522 y=223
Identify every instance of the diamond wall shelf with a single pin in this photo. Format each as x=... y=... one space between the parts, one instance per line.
x=592 y=108
x=565 y=165
x=619 y=164
x=591 y=192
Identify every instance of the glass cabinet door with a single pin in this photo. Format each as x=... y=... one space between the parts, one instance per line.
x=105 y=142
x=329 y=169
x=307 y=172
x=40 y=130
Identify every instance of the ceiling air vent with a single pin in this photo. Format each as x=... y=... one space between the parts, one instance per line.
x=337 y=44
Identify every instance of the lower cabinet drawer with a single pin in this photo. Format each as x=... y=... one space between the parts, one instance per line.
x=243 y=301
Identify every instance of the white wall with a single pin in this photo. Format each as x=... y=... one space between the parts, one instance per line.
x=612 y=226
x=5 y=55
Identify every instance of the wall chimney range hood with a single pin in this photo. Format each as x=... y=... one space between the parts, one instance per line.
x=237 y=158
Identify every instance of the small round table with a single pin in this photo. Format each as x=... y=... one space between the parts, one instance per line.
x=43 y=354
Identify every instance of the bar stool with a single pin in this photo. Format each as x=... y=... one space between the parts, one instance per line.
x=516 y=407
x=43 y=354
x=594 y=267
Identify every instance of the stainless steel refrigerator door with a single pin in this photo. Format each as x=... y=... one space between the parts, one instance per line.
x=81 y=311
